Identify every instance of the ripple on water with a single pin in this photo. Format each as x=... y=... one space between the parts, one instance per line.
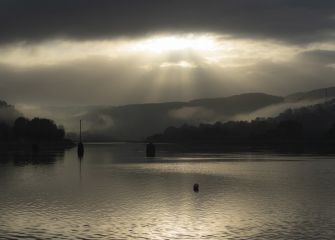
x=237 y=199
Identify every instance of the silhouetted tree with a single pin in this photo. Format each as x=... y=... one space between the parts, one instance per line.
x=290 y=129
x=20 y=128
x=35 y=130
x=331 y=133
x=5 y=132
x=44 y=129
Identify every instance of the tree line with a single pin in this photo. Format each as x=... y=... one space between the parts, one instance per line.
x=314 y=124
x=34 y=130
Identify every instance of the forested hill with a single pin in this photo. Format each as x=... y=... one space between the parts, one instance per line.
x=313 y=124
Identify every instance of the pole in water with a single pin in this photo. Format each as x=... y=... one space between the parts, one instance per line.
x=80 y=145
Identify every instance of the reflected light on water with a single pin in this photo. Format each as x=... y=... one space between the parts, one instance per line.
x=123 y=195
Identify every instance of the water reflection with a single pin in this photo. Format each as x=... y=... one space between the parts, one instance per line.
x=114 y=193
x=80 y=159
x=22 y=157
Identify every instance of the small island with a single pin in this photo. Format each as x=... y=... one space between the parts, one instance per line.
x=33 y=134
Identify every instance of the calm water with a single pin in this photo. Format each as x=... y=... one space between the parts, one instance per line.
x=116 y=193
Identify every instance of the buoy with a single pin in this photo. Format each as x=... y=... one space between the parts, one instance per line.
x=196 y=187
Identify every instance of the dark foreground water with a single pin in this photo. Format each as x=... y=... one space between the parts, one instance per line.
x=116 y=193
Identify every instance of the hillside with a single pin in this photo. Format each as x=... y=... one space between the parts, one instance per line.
x=140 y=120
x=137 y=121
x=322 y=93
x=306 y=125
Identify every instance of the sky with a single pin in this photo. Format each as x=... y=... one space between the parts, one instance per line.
x=124 y=51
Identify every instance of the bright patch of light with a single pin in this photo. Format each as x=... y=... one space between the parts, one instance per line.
x=183 y=50
x=182 y=64
x=161 y=44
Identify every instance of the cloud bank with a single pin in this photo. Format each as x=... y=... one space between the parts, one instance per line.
x=296 y=21
x=121 y=52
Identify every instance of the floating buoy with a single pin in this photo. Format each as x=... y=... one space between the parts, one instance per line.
x=196 y=187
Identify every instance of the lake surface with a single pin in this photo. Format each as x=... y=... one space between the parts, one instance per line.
x=117 y=193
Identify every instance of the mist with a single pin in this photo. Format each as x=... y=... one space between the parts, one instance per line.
x=131 y=122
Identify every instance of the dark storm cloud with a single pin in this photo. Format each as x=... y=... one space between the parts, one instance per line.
x=297 y=21
x=318 y=56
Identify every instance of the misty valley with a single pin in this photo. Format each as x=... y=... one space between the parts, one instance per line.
x=196 y=179
x=159 y=120
x=254 y=121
